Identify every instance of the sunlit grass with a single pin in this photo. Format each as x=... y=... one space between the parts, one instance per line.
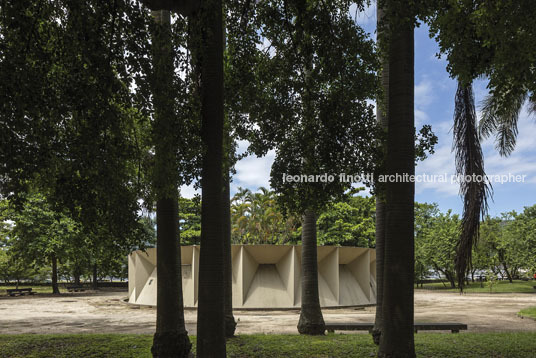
x=528 y=312
x=467 y=345
x=503 y=286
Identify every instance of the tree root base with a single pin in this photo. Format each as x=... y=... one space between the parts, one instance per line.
x=171 y=345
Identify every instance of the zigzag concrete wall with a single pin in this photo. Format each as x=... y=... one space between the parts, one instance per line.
x=267 y=276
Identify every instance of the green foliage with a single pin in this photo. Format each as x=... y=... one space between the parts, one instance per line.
x=190 y=220
x=39 y=233
x=425 y=141
x=492 y=281
x=13 y=269
x=507 y=243
x=256 y=218
x=314 y=70
x=435 y=241
x=348 y=223
x=36 y=233
x=492 y=38
x=73 y=128
x=506 y=246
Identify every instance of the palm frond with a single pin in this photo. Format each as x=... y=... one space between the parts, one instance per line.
x=469 y=161
x=500 y=118
x=532 y=104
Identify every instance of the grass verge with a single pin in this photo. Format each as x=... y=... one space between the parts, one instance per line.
x=467 y=345
x=528 y=312
x=36 y=289
x=517 y=286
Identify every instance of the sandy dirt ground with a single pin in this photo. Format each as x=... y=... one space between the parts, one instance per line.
x=106 y=312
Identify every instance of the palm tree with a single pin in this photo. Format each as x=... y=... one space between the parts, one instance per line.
x=397 y=305
x=382 y=115
x=210 y=313
x=311 y=319
x=171 y=337
x=230 y=323
x=469 y=161
x=500 y=118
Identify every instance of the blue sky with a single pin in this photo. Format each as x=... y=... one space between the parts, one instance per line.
x=434 y=104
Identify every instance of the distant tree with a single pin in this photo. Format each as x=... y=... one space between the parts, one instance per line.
x=350 y=222
x=424 y=216
x=41 y=236
x=190 y=220
x=440 y=244
x=13 y=269
x=257 y=218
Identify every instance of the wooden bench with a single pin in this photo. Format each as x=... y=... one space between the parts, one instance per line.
x=75 y=288
x=19 y=291
x=453 y=327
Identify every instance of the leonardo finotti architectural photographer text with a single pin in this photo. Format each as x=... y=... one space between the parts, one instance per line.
x=404 y=178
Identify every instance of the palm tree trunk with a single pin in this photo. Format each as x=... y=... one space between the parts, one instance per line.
x=397 y=338
x=469 y=161
x=55 y=288
x=210 y=313
x=311 y=319
x=382 y=116
x=171 y=337
x=230 y=323
x=380 y=239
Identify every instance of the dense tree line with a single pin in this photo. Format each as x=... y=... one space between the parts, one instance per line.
x=505 y=249
x=257 y=218
x=39 y=244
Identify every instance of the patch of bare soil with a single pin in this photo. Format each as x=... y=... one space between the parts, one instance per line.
x=106 y=312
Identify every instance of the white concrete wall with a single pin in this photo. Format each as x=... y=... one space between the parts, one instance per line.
x=267 y=276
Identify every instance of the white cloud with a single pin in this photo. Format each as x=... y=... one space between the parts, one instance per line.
x=188 y=191
x=253 y=172
x=424 y=93
x=365 y=17
x=439 y=164
x=421 y=118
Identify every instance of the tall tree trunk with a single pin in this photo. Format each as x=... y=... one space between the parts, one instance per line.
x=451 y=278
x=382 y=115
x=380 y=239
x=55 y=288
x=397 y=338
x=171 y=338
x=95 y=278
x=311 y=319
x=508 y=275
x=210 y=313
x=230 y=323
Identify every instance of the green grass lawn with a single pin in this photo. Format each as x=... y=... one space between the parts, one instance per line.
x=517 y=286
x=528 y=312
x=467 y=345
x=37 y=289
